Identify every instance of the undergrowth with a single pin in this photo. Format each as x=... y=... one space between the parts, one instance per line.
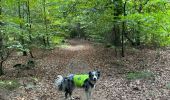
x=139 y=75
x=9 y=84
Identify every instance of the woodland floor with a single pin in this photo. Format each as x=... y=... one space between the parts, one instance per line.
x=82 y=56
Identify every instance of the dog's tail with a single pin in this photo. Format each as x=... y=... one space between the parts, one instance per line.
x=59 y=82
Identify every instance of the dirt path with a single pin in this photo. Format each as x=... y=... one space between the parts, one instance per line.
x=82 y=56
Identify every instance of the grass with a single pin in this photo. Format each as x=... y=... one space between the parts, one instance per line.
x=139 y=75
x=9 y=84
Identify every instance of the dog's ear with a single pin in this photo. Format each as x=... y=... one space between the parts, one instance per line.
x=90 y=73
x=98 y=72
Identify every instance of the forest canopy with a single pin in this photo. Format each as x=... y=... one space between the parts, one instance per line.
x=24 y=23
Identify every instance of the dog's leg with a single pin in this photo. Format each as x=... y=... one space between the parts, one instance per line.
x=70 y=94
x=66 y=94
x=71 y=88
x=87 y=95
x=89 y=91
x=71 y=98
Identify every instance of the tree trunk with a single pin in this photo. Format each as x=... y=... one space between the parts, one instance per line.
x=1 y=44
x=116 y=29
x=1 y=53
x=44 y=41
x=46 y=37
x=123 y=28
x=78 y=30
x=29 y=25
x=138 y=23
x=1 y=68
x=116 y=32
x=29 y=19
x=48 y=41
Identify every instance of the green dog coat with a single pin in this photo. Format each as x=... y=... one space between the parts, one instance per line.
x=79 y=79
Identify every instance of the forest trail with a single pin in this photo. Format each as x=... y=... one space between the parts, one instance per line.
x=81 y=56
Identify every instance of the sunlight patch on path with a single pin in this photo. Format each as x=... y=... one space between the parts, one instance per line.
x=76 y=47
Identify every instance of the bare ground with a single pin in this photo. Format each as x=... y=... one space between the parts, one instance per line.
x=82 y=56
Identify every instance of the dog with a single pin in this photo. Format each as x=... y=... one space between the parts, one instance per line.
x=69 y=83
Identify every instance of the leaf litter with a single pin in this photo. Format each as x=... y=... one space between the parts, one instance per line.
x=82 y=56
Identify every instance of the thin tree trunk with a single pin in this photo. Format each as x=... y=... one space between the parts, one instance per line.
x=1 y=68
x=116 y=28
x=78 y=30
x=1 y=43
x=117 y=12
x=46 y=37
x=44 y=41
x=48 y=40
x=1 y=54
x=123 y=29
x=29 y=19
x=29 y=25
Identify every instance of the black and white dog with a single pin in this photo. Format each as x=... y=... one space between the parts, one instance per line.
x=86 y=81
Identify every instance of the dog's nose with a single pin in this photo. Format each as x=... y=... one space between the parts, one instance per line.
x=94 y=79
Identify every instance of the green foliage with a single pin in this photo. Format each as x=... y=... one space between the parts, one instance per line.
x=57 y=39
x=152 y=25
x=96 y=18
x=139 y=75
x=96 y=38
x=9 y=84
x=18 y=46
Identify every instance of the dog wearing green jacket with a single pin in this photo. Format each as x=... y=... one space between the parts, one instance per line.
x=86 y=81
